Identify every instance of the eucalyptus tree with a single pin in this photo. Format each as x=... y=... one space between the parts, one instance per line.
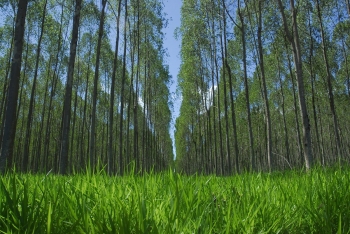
x=66 y=116
x=223 y=37
x=111 y=103
x=121 y=122
x=329 y=79
x=265 y=95
x=96 y=78
x=242 y=13
x=7 y=31
x=55 y=44
x=294 y=40
x=32 y=95
x=11 y=104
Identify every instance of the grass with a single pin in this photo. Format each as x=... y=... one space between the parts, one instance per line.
x=288 y=202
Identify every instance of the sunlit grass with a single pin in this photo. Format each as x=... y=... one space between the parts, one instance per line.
x=290 y=202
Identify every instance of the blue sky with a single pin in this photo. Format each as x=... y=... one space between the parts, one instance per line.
x=172 y=9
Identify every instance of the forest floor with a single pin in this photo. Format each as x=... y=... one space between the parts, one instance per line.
x=280 y=202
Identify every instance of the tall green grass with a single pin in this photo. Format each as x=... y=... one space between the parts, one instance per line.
x=290 y=202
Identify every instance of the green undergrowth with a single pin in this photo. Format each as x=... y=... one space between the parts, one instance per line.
x=288 y=202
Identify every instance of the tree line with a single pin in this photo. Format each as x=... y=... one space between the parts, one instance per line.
x=265 y=85
x=84 y=85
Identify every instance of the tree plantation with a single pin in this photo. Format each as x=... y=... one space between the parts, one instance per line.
x=265 y=85
x=87 y=106
x=84 y=85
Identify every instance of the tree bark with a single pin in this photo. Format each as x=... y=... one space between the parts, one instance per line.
x=94 y=94
x=68 y=91
x=228 y=150
x=11 y=103
x=294 y=41
x=32 y=96
x=246 y=87
x=111 y=104
x=329 y=84
x=121 y=148
x=271 y=160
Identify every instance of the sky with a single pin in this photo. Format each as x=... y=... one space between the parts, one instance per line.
x=172 y=9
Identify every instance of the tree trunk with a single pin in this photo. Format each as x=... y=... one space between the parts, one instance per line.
x=329 y=85
x=11 y=103
x=300 y=148
x=294 y=41
x=312 y=78
x=135 y=106
x=68 y=92
x=121 y=165
x=246 y=87
x=32 y=96
x=5 y=89
x=94 y=94
x=228 y=150
x=267 y=108
x=111 y=103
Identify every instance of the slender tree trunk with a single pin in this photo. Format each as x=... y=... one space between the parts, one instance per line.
x=233 y=109
x=40 y=138
x=32 y=96
x=212 y=55
x=22 y=101
x=246 y=87
x=228 y=150
x=111 y=103
x=52 y=93
x=130 y=103
x=84 y=127
x=286 y=142
x=11 y=103
x=300 y=148
x=329 y=84
x=312 y=78
x=294 y=41
x=219 y=117
x=136 y=125
x=68 y=92
x=266 y=101
x=94 y=94
x=121 y=165
x=5 y=88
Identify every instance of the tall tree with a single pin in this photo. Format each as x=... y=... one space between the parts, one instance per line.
x=295 y=44
x=111 y=105
x=12 y=96
x=68 y=91
x=263 y=78
x=32 y=95
x=329 y=81
x=94 y=94
x=121 y=148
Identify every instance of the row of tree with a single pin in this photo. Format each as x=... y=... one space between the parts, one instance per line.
x=265 y=85
x=84 y=85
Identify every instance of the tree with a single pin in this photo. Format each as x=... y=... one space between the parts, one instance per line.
x=11 y=104
x=295 y=44
x=68 y=91
x=32 y=96
x=94 y=96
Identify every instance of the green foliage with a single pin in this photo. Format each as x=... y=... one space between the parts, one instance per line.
x=289 y=202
